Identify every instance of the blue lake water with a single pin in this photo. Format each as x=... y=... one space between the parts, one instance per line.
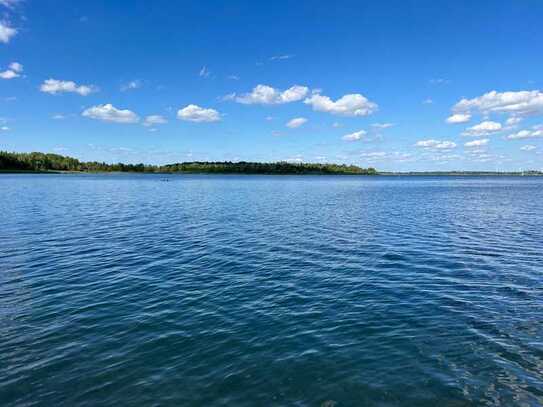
x=270 y=290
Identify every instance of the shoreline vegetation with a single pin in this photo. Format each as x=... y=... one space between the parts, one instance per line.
x=47 y=163
x=54 y=163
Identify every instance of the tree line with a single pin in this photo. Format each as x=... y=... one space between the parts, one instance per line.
x=45 y=162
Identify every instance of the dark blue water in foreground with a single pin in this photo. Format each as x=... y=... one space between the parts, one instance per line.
x=270 y=291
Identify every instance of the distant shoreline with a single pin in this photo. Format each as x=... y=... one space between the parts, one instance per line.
x=46 y=163
x=379 y=174
x=464 y=174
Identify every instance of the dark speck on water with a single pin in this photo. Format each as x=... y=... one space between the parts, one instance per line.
x=213 y=290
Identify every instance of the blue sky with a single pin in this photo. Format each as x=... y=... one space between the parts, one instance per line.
x=398 y=85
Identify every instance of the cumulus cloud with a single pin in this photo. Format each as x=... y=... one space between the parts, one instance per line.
x=357 y=135
x=6 y=32
x=16 y=66
x=528 y=148
x=154 y=119
x=109 y=113
x=520 y=103
x=194 y=113
x=477 y=143
x=8 y=74
x=348 y=105
x=296 y=122
x=54 y=86
x=535 y=132
x=266 y=95
x=14 y=71
x=436 y=144
x=458 y=118
x=483 y=129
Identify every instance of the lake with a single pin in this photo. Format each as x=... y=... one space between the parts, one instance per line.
x=270 y=290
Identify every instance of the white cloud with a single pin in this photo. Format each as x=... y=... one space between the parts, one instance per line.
x=6 y=32
x=382 y=125
x=296 y=122
x=427 y=101
x=337 y=124
x=266 y=95
x=513 y=120
x=54 y=86
x=233 y=77
x=109 y=113
x=524 y=134
x=14 y=71
x=444 y=158
x=348 y=105
x=4 y=128
x=154 y=119
x=520 y=103
x=477 y=143
x=58 y=117
x=204 y=72
x=528 y=148
x=458 y=118
x=436 y=144
x=135 y=84
x=16 y=66
x=375 y=154
x=194 y=113
x=8 y=74
x=296 y=159
x=357 y=135
x=483 y=129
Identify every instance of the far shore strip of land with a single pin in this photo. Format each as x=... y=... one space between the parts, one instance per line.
x=45 y=163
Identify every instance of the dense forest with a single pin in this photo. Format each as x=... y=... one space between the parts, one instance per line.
x=42 y=162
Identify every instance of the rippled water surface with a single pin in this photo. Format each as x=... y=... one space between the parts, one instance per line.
x=270 y=291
